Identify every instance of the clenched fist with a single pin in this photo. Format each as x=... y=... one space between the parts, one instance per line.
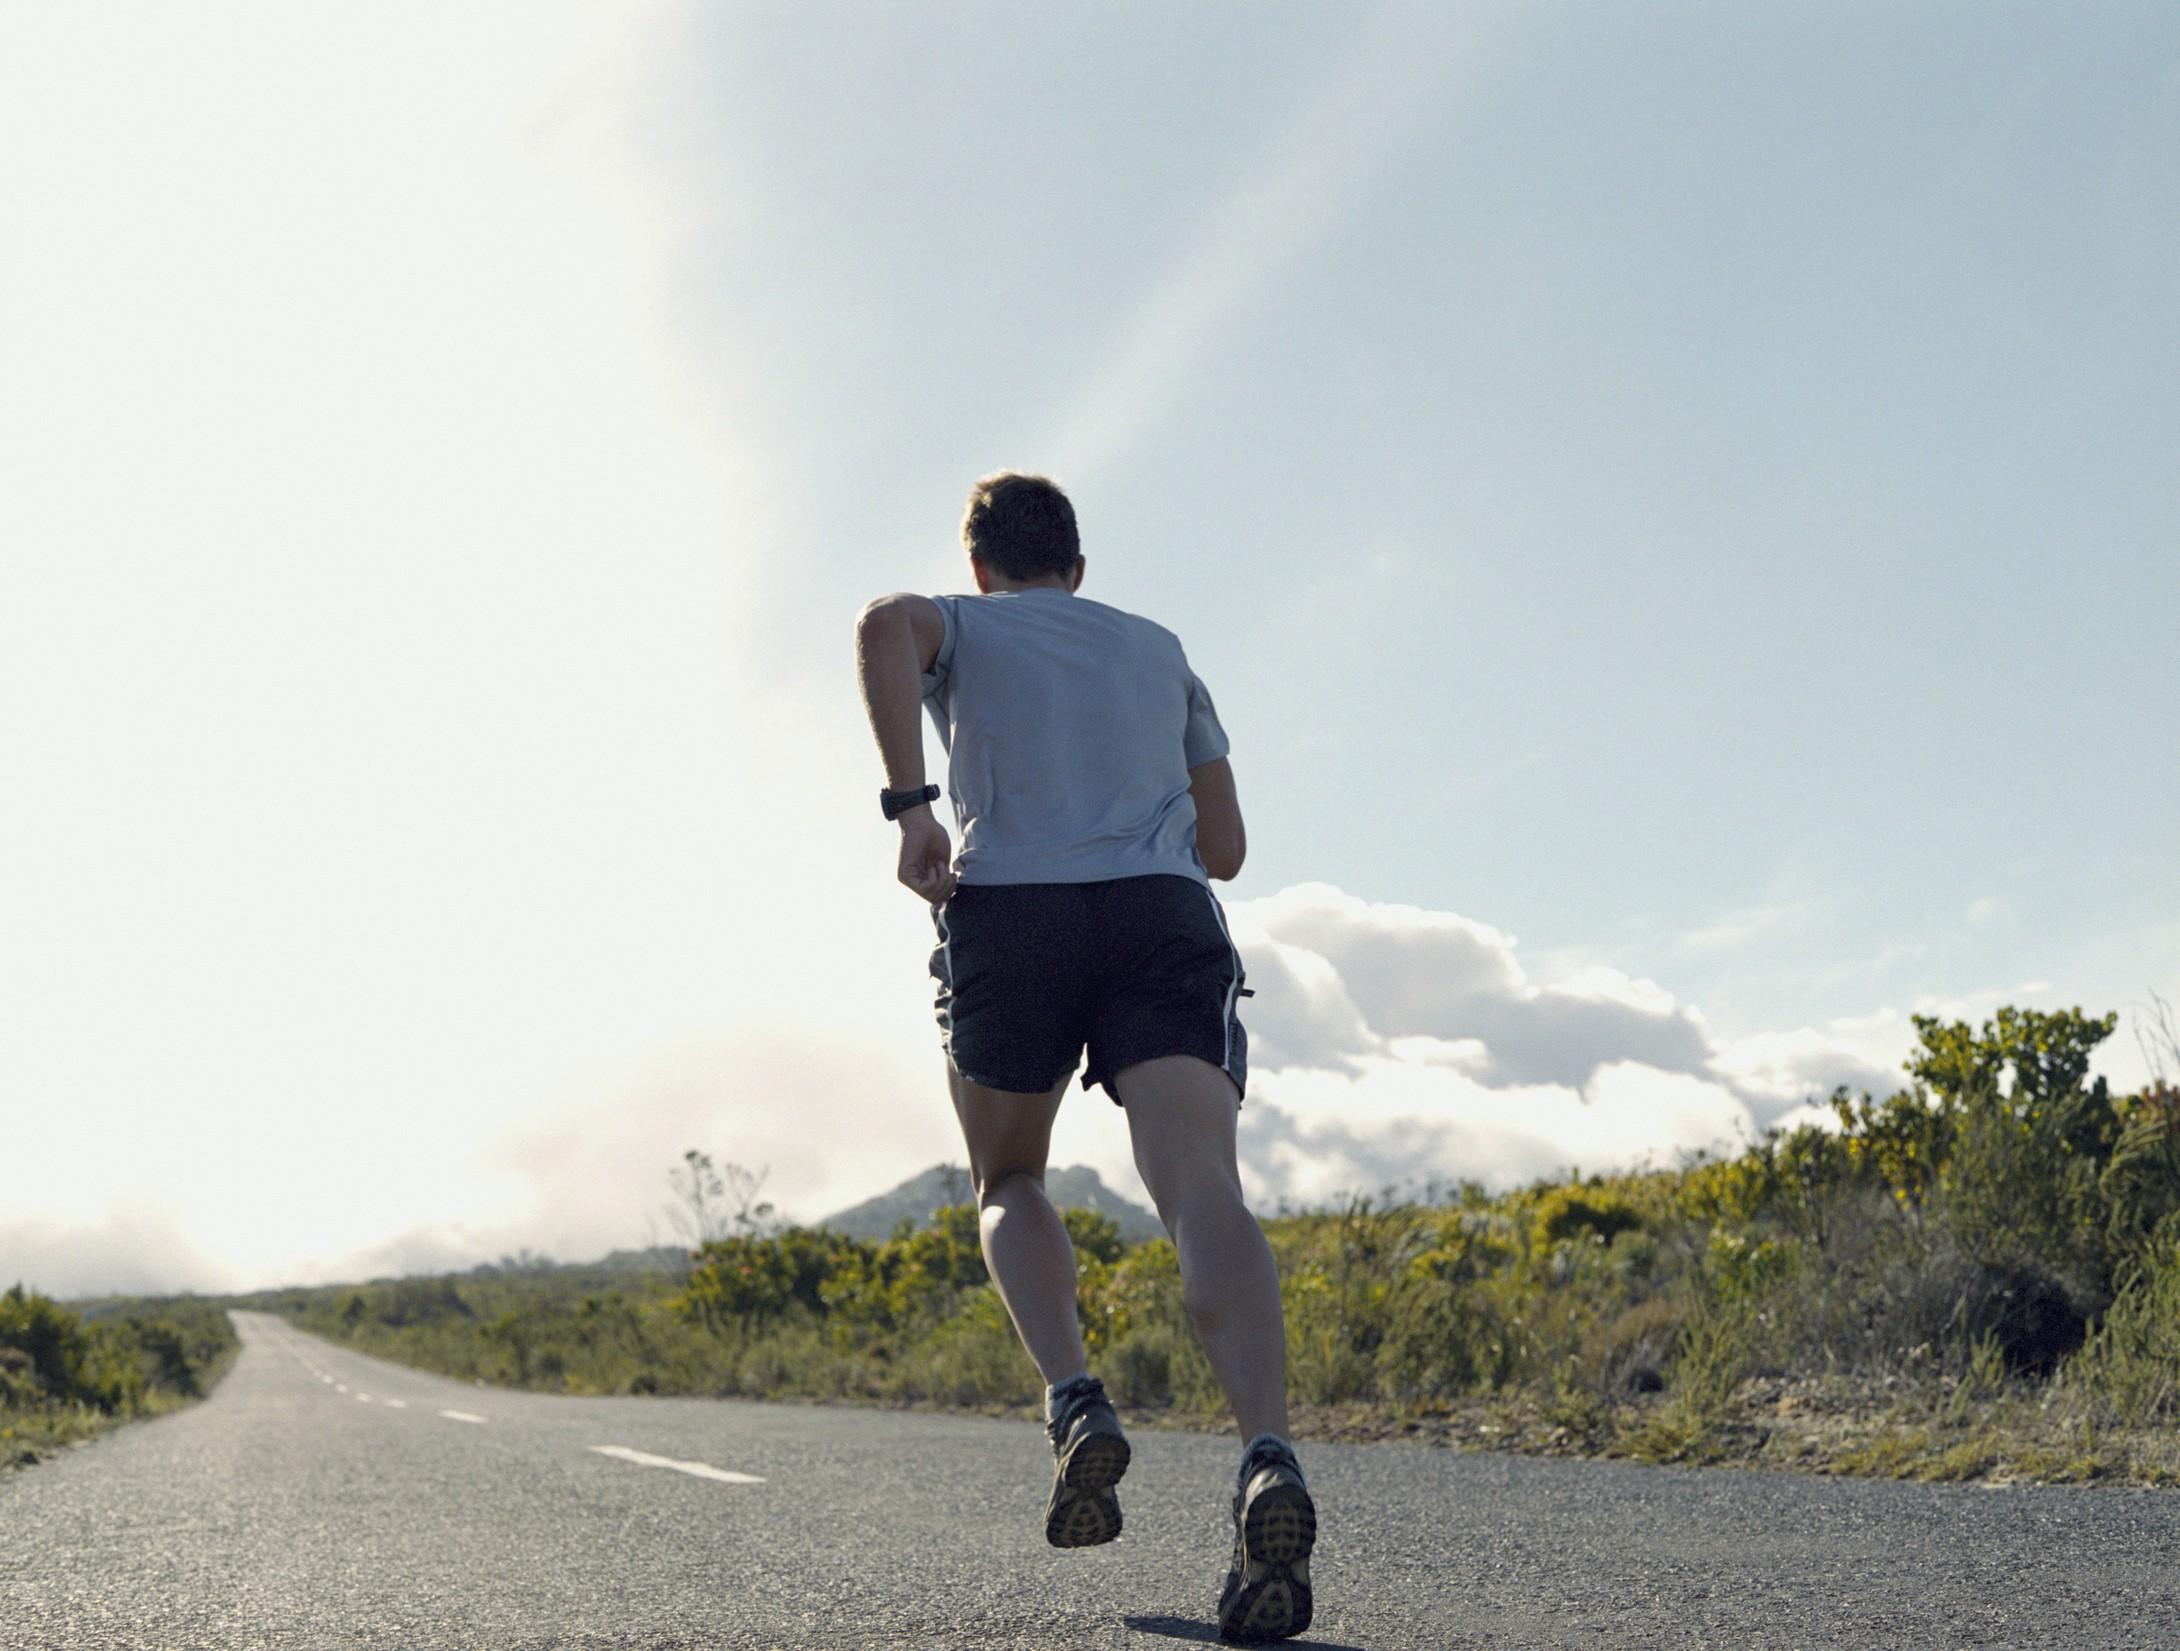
x=927 y=856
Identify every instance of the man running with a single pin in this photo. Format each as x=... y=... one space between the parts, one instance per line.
x=1089 y=778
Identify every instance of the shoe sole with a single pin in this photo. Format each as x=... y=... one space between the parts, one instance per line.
x=1278 y=1532
x=1084 y=1511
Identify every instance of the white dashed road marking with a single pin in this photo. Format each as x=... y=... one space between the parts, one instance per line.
x=340 y=1387
x=395 y=1404
x=363 y=1398
x=703 y=1470
x=460 y=1416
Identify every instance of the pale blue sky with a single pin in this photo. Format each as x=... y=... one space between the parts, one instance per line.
x=1691 y=460
x=1675 y=504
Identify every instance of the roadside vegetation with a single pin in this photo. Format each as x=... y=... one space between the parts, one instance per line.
x=1977 y=1277
x=68 y=1374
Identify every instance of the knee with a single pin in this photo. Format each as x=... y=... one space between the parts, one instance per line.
x=995 y=1185
x=1199 y=1192
x=1205 y=1206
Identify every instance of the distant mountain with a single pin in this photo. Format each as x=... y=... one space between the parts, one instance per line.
x=662 y=1258
x=1075 y=1187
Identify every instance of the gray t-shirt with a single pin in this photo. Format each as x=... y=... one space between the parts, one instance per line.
x=1069 y=728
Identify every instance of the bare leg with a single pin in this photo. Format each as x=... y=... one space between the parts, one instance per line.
x=1025 y=1242
x=1181 y=1115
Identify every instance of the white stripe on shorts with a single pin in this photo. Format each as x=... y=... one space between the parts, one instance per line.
x=1226 y=1054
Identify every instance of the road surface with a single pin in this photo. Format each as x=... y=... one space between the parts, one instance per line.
x=323 y=1499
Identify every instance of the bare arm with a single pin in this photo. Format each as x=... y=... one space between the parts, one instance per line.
x=1220 y=841
x=896 y=639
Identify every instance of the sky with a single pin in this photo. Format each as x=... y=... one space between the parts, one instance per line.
x=1675 y=506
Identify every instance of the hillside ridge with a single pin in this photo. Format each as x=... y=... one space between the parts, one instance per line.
x=913 y=1200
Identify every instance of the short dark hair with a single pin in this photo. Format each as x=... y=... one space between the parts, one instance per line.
x=1022 y=525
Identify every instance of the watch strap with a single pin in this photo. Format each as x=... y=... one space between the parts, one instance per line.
x=897 y=803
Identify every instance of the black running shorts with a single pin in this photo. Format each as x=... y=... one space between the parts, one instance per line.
x=1135 y=968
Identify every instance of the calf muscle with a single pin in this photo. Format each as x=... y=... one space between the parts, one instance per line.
x=1181 y=1116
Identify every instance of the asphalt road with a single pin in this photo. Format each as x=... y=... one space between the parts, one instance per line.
x=323 y=1499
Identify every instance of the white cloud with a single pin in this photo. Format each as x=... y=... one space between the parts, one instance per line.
x=1393 y=1044
x=1786 y=1068
x=1310 y=1136
x=1738 y=928
x=1386 y=971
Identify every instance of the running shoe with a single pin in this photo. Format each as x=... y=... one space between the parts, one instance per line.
x=1090 y=1455
x=1267 y=1594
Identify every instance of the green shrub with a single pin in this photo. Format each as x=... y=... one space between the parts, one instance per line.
x=66 y=1376
x=1140 y=1369
x=746 y=1281
x=1439 y=1343
x=2129 y=1368
x=972 y=1357
x=1579 y=1211
x=50 y=1355
x=50 y=1338
x=1096 y=1236
x=1630 y=1353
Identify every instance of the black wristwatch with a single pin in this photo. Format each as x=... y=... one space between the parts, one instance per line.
x=897 y=803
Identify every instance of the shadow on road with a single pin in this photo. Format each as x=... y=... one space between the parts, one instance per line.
x=1207 y=1633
